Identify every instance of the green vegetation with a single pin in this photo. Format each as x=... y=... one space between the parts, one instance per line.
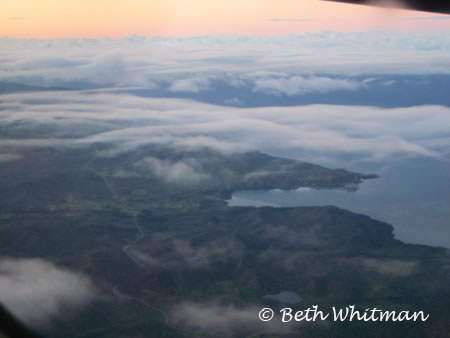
x=80 y=209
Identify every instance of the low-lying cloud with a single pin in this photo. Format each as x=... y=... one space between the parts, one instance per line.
x=190 y=85
x=181 y=254
x=8 y=157
x=186 y=171
x=318 y=133
x=224 y=320
x=190 y=64
x=298 y=85
x=37 y=291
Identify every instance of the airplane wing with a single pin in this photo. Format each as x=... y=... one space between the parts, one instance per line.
x=435 y=6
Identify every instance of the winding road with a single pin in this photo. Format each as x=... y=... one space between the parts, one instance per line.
x=126 y=251
x=139 y=236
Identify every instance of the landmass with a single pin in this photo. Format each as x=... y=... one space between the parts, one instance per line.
x=152 y=228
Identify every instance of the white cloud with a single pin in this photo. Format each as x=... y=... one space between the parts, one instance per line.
x=37 y=291
x=317 y=131
x=189 y=64
x=303 y=85
x=190 y=85
x=187 y=171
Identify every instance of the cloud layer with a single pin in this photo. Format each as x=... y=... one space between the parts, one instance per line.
x=289 y=64
x=315 y=132
x=296 y=85
x=37 y=291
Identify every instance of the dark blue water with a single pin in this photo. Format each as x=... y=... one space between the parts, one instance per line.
x=413 y=195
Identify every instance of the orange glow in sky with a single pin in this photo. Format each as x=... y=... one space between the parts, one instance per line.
x=100 y=18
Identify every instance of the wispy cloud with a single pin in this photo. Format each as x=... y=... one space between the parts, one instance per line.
x=187 y=171
x=8 y=157
x=163 y=251
x=190 y=85
x=297 y=85
x=225 y=320
x=126 y=122
x=194 y=64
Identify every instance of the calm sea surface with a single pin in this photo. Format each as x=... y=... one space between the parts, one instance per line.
x=413 y=195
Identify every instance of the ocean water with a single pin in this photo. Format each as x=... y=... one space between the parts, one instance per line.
x=411 y=194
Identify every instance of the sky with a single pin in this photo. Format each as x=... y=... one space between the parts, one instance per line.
x=52 y=19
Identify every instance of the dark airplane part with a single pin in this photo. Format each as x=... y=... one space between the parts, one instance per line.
x=435 y=6
x=10 y=327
